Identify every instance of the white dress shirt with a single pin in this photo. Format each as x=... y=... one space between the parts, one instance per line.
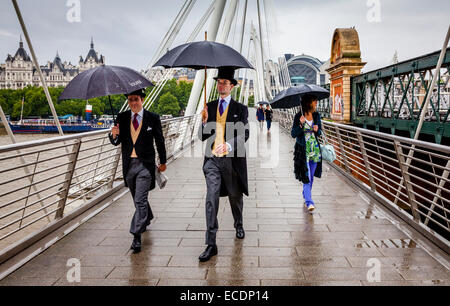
x=139 y=117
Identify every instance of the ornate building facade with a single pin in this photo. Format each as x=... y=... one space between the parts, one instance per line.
x=18 y=71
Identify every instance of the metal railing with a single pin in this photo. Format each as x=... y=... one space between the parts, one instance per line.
x=324 y=105
x=42 y=181
x=415 y=185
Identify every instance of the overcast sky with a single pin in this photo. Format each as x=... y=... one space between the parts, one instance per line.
x=128 y=32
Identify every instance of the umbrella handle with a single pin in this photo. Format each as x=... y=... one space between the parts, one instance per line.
x=112 y=110
x=204 y=104
x=301 y=106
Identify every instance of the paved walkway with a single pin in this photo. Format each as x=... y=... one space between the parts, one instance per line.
x=284 y=244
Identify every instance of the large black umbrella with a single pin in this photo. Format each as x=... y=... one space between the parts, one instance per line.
x=203 y=55
x=104 y=81
x=291 y=97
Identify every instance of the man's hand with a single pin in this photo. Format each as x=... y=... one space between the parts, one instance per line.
x=115 y=131
x=162 y=168
x=315 y=128
x=221 y=149
x=205 y=115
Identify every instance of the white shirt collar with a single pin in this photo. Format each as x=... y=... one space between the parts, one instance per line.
x=141 y=113
x=227 y=99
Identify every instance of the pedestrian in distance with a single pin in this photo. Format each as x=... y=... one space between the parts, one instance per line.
x=260 y=116
x=269 y=114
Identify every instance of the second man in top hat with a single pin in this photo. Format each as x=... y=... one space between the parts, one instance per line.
x=225 y=127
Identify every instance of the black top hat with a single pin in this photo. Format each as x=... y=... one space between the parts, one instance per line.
x=226 y=73
x=139 y=92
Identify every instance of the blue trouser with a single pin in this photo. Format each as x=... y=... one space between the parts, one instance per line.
x=269 y=123
x=307 y=187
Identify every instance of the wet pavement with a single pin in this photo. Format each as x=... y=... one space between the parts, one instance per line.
x=284 y=244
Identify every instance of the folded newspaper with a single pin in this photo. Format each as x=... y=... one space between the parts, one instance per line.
x=161 y=178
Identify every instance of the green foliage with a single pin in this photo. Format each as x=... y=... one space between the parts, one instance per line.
x=236 y=92
x=251 y=101
x=180 y=91
x=172 y=98
x=168 y=105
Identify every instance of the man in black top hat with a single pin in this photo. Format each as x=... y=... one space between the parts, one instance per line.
x=225 y=127
x=136 y=130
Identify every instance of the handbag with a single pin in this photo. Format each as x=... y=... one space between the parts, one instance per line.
x=327 y=150
x=161 y=178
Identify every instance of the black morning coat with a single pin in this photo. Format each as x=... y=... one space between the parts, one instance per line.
x=238 y=114
x=151 y=130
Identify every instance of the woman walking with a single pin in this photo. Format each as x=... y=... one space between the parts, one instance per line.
x=269 y=113
x=307 y=127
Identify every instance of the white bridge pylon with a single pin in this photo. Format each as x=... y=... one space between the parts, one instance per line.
x=227 y=24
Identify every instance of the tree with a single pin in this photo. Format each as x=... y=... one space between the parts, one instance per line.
x=183 y=91
x=251 y=101
x=236 y=92
x=17 y=109
x=36 y=102
x=168 y=105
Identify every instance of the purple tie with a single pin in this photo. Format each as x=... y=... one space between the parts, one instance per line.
x=135 y=122
x=221 y=106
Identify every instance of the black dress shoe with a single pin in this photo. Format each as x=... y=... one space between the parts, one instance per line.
x=136 y=245
x=210 y=251
x=240 y=234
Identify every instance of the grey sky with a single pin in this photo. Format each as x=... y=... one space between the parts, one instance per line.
x=128 y=32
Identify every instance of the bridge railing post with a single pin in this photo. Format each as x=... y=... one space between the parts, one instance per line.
x=443 y=180
x=194 y=126
x=407 y=180
x=114 y=167
x=68 y=178
x=366 y=161
x=97 y=162
x=342 y=149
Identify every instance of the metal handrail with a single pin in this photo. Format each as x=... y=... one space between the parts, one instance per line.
x=417 y=192
x=66 y=172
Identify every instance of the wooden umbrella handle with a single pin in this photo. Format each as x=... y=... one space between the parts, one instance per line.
x=204 y=104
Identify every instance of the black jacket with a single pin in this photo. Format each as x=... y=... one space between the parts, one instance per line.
x=236 y=135
x=297 y=132
x=151 y=130
x=268 y=114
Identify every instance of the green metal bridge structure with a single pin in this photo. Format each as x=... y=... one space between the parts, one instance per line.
x=390 y=99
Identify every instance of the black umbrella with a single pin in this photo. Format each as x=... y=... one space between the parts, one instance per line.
x=203 y=55
x=104 y=81
x=292 y=96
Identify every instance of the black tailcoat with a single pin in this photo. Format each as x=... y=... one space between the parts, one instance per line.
x=151 y=130
x=236 y=135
